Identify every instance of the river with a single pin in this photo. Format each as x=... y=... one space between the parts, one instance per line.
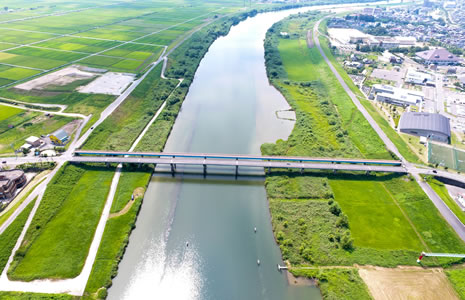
x=195 y=237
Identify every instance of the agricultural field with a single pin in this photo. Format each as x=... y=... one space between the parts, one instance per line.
x=16 y=125
x=122 y=37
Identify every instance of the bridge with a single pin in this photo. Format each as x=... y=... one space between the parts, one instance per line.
x=207 y=159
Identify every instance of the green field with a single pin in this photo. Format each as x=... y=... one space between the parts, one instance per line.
x=340 y=219
x=25 y=123
x=328 y=123
x=398 y=141
x=457 y=278
x=63 y=227
x=442 y=192
x=8 y=111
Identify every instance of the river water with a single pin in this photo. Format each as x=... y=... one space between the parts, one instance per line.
x=195 y=237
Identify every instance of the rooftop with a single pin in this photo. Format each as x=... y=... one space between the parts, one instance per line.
x=438 y=55
x=425 y=121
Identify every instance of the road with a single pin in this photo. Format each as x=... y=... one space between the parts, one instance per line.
x=447 y=214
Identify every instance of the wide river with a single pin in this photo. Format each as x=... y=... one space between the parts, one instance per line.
x=195 y=237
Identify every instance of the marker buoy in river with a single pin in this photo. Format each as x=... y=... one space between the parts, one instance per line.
x=258 y=262
x=187 y=244
x=255 y=229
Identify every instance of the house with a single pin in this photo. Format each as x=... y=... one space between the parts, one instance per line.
x=420 y=78
x=33 y=141
x=440 y=57
x=59 y=137
x=430 y=125
x=9 y=181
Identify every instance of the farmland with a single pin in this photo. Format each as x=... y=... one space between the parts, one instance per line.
x=16 y=125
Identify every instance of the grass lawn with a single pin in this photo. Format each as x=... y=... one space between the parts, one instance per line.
x=442 y=192
x=9 y=237
x=375 y=220
x=457 y=277
x=337 y=284
x=131 y=182
x=62 y=229
x=8 y=111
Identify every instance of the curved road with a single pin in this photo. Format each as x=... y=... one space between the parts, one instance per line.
x=445 y=211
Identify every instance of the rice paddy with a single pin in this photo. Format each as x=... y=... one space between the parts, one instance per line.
x=121 y=37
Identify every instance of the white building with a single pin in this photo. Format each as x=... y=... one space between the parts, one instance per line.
x=421 y=78
x=397 y=96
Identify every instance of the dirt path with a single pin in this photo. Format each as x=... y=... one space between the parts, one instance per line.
x=407 y=283
x=310 y=43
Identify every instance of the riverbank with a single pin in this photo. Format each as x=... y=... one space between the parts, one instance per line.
x=325 y=219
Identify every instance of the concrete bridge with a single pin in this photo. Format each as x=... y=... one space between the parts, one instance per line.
x=206 y=159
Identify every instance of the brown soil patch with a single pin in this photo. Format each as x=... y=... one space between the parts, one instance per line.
x=407 y=283
x=299 y=281
x=138 y=192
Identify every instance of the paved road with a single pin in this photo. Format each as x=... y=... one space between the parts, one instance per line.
x=238 y=163
x=448 y=215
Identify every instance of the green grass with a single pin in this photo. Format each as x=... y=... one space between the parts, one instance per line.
x=328 y=123
x=110 y=252
x=34 y=296
x=374 y=218
x=130 y=180
x=9 y=237
x=17 y=73
x=8 y=111
x=457 y=278
x=121 y=129
x=26 y=124
x=442 y=192
x=62 y=229
x=337 y=284
x=400 y=144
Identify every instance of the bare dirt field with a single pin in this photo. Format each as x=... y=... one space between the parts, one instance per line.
x=110 y=84
x=58 y=78
x=407 y=283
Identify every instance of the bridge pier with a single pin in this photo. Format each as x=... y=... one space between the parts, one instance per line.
x=367 y=173
x=204 y=170
x=173 y=168
x=302 y=171
x=237 y=170
x=107 y=164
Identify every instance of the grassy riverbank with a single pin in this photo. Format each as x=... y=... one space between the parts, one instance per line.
x=59 y=237
x=322 y=218
x=398 y=141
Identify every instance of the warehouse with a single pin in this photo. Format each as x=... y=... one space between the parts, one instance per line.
x=397 y=96
x=432 y=126
x=420 y=78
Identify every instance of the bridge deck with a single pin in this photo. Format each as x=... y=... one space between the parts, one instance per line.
x=237 y=163
x=210 y=156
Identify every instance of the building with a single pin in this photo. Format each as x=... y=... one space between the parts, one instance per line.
x=440 y=57
x=406 y=40
x=397 y=96
x=10 y=181
x=33 y=141
x=432 y=126
x=421 y=78
x=59 y=137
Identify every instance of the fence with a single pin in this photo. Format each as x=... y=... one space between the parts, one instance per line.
x=446 y=156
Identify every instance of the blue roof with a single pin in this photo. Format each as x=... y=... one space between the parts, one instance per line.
x=61 y=134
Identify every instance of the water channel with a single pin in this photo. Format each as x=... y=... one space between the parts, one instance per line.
x=195 y=237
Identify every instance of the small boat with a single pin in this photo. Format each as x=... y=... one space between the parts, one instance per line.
x=255 y=229
x=258 y=262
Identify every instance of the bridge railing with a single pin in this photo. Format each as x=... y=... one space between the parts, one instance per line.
x=240 y=157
